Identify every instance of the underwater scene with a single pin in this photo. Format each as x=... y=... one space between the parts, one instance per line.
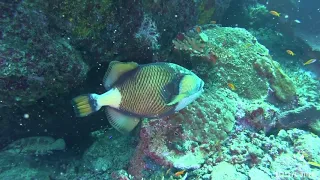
x=160 y=90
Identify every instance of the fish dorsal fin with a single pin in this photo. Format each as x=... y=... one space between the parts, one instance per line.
x=121 y=122
x=115 y=70
x=186 y=86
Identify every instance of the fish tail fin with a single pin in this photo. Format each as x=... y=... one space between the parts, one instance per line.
x=84 y=105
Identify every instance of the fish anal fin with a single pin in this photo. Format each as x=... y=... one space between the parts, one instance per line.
x=115 y=70
x=121 y=122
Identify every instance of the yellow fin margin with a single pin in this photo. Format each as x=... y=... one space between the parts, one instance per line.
x=115 y=70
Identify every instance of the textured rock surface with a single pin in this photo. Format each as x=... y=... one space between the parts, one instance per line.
x=228 y=56
x=226 y=170
x=305 y=143
x=34 y=62
x=188 y=136
x=109 y=152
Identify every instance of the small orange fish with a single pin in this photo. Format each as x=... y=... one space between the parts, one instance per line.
x=291 y=53
x=213 y=22
x=232 y=86
x=310 y=61
x=179 y=173
x=275 y=13
x=198 y=29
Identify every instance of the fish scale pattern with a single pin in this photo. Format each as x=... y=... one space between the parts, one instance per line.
x=145 y=83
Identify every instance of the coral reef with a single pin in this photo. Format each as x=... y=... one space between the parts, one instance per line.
x=226 y=170
x=304 y=110
x=110 y=152
x=148 y=33
x=34 y=63
x=185 y=140
x=228 y=53
x=255 y=12
x=257 y=115
x=242 y=126
x=275 y=157
x=306 y=144
x=280 y=83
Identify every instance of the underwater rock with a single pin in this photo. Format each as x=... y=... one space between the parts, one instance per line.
x=291 y=167
x=257 y=174
x=233 y=56
x=122 y=30
x=299 y=117
x=121 y=174
x=110 y=152
x=250 y=148
x=186 y=139
x=34 y=62
x=257 y=115
x=304 y=109
x=38 y=145
x=24 y=173
x=305 y=143
x=315 y=126
x=228 y=57
x=280 y=83
x=226 y=170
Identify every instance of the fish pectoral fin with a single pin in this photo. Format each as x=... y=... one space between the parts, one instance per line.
x=121 y=122
x=115 y=70
x=177 y=99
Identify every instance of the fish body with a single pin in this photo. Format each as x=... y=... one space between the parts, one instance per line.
x=232 y=86
x=275 y=13
x=38 y=145
x=179 y=173
x=141 y=91
x=291 y=53
x=297 y=21
x=310 y=61
x=198 y=29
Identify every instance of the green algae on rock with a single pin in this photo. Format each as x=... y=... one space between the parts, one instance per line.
x=227 y=57
x=233 y=55
x=194 y=134
x=280 y=83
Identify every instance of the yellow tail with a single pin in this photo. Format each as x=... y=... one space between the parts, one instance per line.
x=84 y=105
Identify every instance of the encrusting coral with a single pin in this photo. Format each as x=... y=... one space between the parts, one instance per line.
x=224 y=55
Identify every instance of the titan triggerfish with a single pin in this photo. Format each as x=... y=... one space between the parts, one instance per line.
x=135 y=91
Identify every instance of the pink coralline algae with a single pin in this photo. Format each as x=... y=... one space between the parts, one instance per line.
x=185 y=139
x=250 y=149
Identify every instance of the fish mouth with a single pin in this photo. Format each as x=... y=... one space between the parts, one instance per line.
x=201 y=85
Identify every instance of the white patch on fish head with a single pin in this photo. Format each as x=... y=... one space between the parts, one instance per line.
x=111 y=98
